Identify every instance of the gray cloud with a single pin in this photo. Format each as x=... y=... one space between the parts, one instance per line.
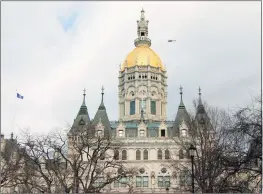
x=217 y=47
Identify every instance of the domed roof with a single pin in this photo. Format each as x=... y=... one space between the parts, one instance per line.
x=142 y=55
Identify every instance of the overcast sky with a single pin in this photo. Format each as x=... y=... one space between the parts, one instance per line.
x=51 y=51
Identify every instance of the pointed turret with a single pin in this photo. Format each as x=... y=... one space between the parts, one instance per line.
x=181 y=116
x=101 y=116
x=200 y=107
x=142 y=31
x=200 y=111
x=82 y=116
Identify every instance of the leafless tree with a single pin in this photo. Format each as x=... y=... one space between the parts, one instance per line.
x=244 y=154
x=208 y=133
x=76 y=162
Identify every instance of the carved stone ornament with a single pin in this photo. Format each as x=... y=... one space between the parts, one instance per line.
x=142 y=170
x=163 y=170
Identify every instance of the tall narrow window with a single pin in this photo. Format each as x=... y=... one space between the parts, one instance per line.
x=159 y=154
x=132 y=107
x=124 y=154
x=183 y=132
x=102 y=155
x=138 y=155
x=142 y=134
x=162 y=132
x=138 y=181
x=116 y=155
x=164 y=181
x=142 y=181
x=145 y=181
x=181 y=154
x=145 y=154
x=167 y=154
x=120 y=133
x=123 y=109
x=143 y=105
x=153 y=107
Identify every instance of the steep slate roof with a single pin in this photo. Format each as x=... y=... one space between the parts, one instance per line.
x=201 y=116
x=101 y=116
x=182 y=115
x=82 y=117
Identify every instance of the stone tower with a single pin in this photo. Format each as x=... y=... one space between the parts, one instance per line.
x=142 y=80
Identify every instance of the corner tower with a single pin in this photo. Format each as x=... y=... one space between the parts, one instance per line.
x=142 y=80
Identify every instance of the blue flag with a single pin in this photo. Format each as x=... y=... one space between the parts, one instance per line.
x=19 y=96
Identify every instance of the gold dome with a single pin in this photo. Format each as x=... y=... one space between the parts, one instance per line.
x=142 y=55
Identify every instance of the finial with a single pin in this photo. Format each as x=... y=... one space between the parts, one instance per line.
x=181 y=92
x=84 y=94
x=12 y=135
x=102 y=93
x=102 y=90
x=199 y=93
x=142 y=15
x=142 y=10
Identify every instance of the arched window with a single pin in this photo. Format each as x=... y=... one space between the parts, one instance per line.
x=124 y=154
x=181 y=154
x=145 y=154
x=138 y=155
x=159 y=154
x=167 y=154
x=116 y=155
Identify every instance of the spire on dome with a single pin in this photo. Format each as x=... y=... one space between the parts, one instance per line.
x=142 y=14
x=142 y=31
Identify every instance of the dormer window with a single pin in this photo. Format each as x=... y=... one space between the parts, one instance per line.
x=120 y=133
x=141 y=133
x=184 y=133
x=99 y=133
x=142 y=34
x=162 y=132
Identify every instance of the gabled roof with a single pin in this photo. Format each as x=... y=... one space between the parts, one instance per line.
x=102 y=116
x=182 y=115
x=82 y=118
x=201 y=116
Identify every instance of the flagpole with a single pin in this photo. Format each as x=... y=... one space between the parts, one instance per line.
x=13 y=127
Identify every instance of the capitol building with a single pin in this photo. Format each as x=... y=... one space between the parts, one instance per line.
x=147 y=136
